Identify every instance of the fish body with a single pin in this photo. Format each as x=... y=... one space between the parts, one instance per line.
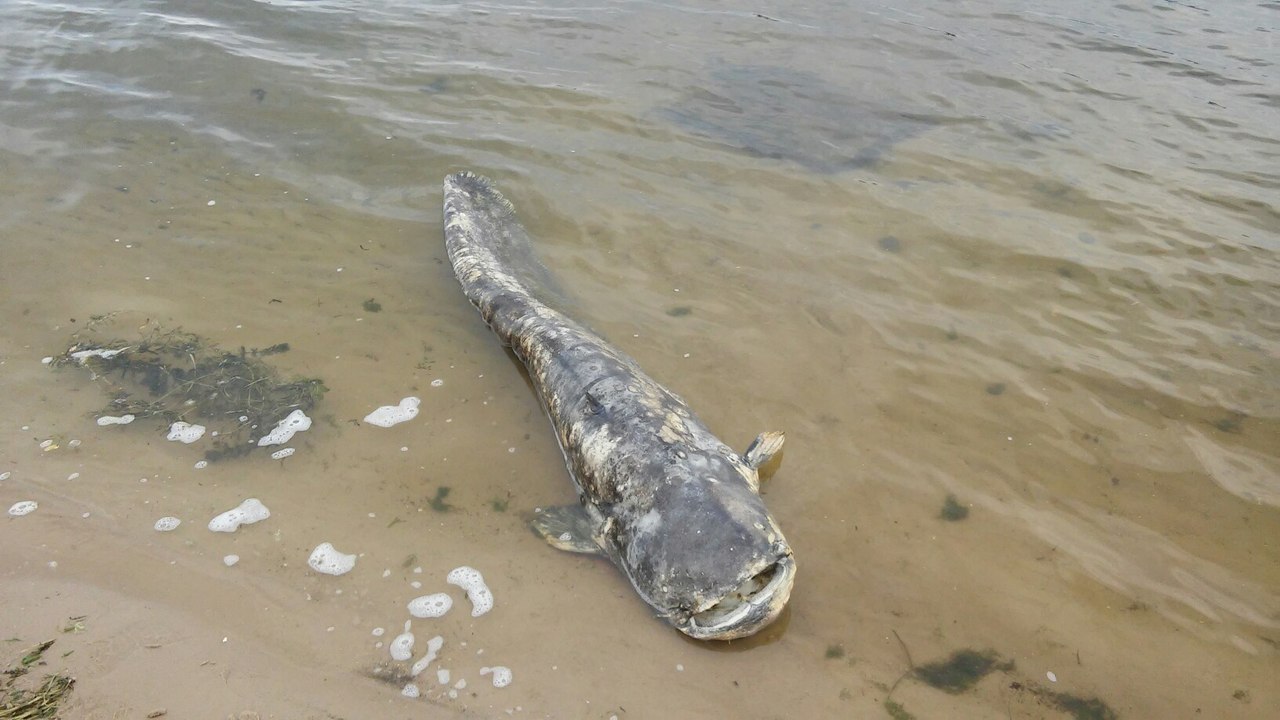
x=676 y=509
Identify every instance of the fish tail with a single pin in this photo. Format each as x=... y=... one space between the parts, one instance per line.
x=492 y=254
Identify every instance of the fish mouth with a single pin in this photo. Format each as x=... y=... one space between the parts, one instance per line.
x=748 y=608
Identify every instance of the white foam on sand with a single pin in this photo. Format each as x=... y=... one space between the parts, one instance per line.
x=433 y=651
x=106 y=420
x=501 y=675
x=402 y=646
x=326 y=559
x=469 y=579
x=167 y=524
x=186 y=433
x=430 y=606
x=410 y=690
x=442 y=675
x=389 y=415
x=248 y=512
x=22 y=508
x=296 y=422
x=282 y=453
x=230 y=560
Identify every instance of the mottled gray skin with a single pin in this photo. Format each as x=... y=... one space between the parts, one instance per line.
x=671 y=505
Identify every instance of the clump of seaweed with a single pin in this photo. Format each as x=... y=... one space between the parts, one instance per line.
x=42 y=702
x=962 y=670
x=896 y=711
x=1079 y=708
x=437 y=503
x=175 y=375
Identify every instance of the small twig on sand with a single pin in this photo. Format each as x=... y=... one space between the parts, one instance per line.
x=911 y=666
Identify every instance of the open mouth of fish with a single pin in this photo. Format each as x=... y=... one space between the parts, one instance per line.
x=749 y=607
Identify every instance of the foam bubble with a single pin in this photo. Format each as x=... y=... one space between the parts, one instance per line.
x=377 y=632
x=5 y=475
x=442 y=676
x=402 y=646
x=501 y=675
x=469 y=579
x=201 y=464
x=410 y=690
x=106 y=420
x=433 y=650
x=296 y=422
x=326 y=559
x=22 y=508
x=167 y=524
x=430 y=606
x=230 y=560
x=282 y=453
x=186 y=433
x=389 y=415
x=247 y=513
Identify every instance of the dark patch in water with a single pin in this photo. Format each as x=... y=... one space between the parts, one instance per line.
x=437 y=503
x=1230 y=423
x=889 y=243
x=1079 y=708
x=962 y=670
x=952 y=509
x=771 y=111
x=896 y=711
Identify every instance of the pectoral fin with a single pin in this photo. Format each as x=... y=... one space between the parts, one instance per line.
x=765 y=446
x=567 y=528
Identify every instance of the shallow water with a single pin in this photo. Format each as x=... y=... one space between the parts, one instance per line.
x=1055 y=296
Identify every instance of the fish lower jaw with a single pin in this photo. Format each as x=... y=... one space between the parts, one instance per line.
x=749 y=608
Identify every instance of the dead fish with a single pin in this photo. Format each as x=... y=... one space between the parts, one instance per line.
x=671 y=505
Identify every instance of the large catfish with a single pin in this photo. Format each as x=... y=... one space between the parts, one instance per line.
x=671 y=505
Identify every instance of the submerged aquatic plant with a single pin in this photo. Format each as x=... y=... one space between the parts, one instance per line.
x=437 y=503
x=962 y=670
x=1080 y=708
x=176 y=376
x=896 y=711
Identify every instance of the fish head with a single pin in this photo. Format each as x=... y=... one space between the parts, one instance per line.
x=707 y=554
